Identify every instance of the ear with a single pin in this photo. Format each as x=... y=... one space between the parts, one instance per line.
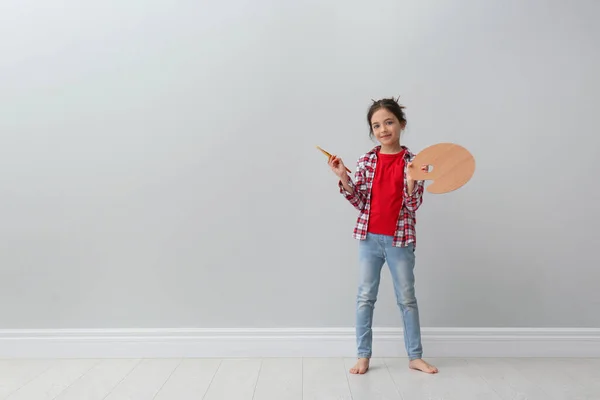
x=402 y=125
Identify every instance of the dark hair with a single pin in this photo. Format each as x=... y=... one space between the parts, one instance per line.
x=389 y=104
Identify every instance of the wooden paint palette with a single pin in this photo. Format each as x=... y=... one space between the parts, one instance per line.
x=453 y=166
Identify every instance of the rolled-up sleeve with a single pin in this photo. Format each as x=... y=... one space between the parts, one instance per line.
x=358 y=196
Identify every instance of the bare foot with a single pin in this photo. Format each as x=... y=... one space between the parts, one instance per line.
x=421 y=365
x=362 y=365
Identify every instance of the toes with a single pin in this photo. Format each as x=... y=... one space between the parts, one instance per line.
x=432 y=370
x=424 y=367
x=358 y=369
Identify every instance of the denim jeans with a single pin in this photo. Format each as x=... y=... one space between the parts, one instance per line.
x=373 y=253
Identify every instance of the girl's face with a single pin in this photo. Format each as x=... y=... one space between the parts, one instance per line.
x=386 y=127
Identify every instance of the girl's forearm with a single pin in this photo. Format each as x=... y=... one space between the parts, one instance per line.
x=410 y=186
x=345 y=184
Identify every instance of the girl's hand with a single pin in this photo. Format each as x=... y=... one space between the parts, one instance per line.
x=337 y=166
x=410 y=166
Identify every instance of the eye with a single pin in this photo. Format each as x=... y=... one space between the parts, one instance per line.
x=389 y=122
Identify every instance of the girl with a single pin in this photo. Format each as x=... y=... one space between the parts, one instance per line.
x=387 y=199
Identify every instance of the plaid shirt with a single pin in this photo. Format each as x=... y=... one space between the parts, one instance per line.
x=361 y=199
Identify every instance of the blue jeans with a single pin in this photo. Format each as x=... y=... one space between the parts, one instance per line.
x=373 y=253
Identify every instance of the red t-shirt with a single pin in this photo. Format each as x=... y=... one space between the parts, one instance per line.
x=387 y=194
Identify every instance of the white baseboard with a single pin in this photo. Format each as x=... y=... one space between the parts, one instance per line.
x=302 y=342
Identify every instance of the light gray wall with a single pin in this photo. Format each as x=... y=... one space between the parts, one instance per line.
x=158 y=164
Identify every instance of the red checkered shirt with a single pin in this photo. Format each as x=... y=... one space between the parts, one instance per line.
x=361 y=199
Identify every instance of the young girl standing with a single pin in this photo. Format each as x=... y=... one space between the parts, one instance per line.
x=387 y=200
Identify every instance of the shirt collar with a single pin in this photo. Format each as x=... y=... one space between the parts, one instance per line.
x=407 y=153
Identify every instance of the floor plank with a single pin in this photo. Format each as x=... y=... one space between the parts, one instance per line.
x=553 y=377
x=280 y=378
x=145 y=381
x=325 y=378
x=585 y=371
x=376 y=384
x=15 y=374
x=297 y=378
x=415 y=385
x=506 y=380
x=235 y=379
x=98 y=382
x=190 y=380
x=53 y=381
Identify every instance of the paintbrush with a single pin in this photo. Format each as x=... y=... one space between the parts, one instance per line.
x=329 y=156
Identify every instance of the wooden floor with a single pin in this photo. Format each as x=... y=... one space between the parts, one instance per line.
x=296 y=378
